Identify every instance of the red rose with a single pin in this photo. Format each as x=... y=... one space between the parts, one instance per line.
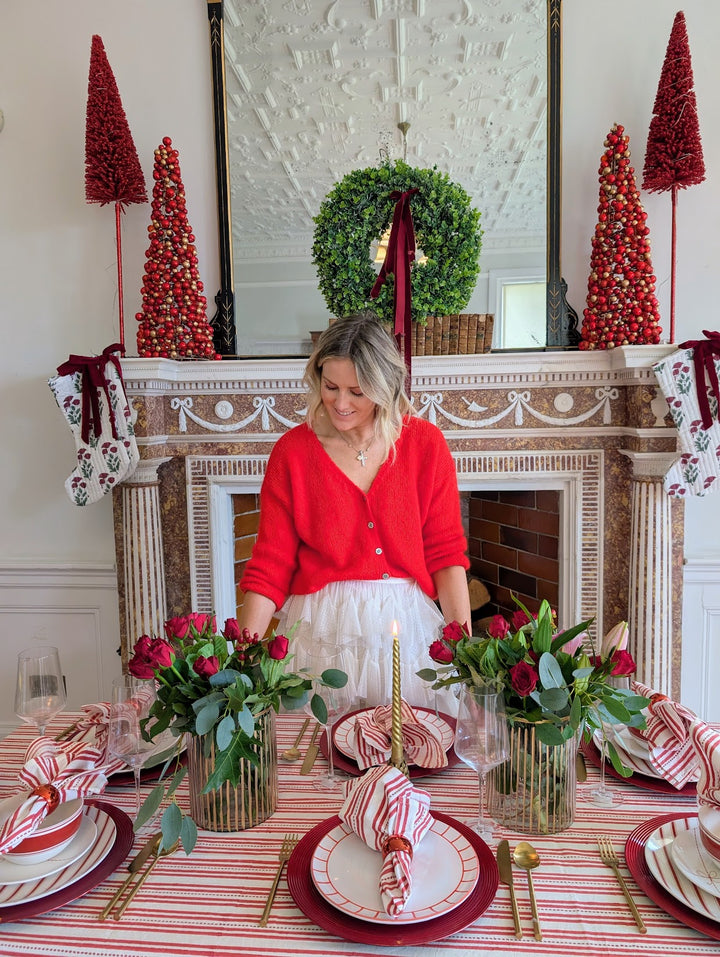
x=204 y=625
x=523 y=678
x=149 y=654
x=206 y=666
x=231 y=631
x=623 y=664
x=440 y=652
x=453 y=631
x=498 y=627
x=519 y=618
x=278 y=647
x=177 y=628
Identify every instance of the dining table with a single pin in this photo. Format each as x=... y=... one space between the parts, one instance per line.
x=209 y=903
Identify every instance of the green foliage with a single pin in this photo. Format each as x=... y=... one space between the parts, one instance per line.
x=358 y=210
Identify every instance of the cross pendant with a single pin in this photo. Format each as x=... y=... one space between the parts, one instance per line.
x=361 y=458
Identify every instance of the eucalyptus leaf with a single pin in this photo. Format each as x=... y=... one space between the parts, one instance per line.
x=319 y=708
x=170 y=825
x=207 y=718
x=222 y=679
x=246 y=722
x=188 y=833
x=547 y=733
x=149 y=807
x=224 y=732
x=554 y=699
x=551 y=675
x=334 y=678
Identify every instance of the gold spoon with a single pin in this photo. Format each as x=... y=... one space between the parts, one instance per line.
x=293 y=753
x=526 y=857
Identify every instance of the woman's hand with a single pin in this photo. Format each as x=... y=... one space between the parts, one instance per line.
x=452 y=589
x=256 y=613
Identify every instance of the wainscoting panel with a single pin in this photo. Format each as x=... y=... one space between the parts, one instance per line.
x=75 y=609
x=701 y=638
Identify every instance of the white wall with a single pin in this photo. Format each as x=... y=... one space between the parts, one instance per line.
x=57 y=254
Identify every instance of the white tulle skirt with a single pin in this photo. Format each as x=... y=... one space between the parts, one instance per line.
x=348 y=625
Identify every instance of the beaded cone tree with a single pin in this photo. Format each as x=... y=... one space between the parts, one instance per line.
x=173 y=323
x=674 y=156
x=112 y=169
x=621 y=305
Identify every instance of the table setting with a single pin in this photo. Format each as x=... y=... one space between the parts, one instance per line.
x=388 y=861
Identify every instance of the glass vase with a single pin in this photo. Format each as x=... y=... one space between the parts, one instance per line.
x=253 y=799
x=533 y=792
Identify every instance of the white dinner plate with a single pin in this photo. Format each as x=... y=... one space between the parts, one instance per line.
x=630 y=742
x=629 y=760
x=690 y=857
x=344 y=731
x=346 y=873
x=100 y=847
x=659 y=857
x=80 y=844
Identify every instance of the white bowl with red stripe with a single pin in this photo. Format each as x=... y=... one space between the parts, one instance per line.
x=52 y=836
x=709 y=822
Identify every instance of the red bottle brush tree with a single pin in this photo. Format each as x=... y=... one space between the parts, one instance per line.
x=674 y=156
x=112 y=168
x=621 y=305
x=173 y=323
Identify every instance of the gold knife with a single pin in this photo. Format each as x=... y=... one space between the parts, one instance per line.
x=580 y=768
x=312 y=751
x=135 y=865
x=506 y=876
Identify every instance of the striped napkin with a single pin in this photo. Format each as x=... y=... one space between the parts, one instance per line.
x=390 y=816
x=706 y=742
x=422 y=743
x=671 y=752
x=54 y=773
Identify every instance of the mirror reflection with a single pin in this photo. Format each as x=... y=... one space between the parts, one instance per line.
x=315 y=90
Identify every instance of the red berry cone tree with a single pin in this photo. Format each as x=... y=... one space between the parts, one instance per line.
x=674 y=156
x=173 y=323
x=112 y=168
x=621 y=305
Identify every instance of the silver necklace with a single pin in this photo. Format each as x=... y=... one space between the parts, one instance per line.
x=361 y=453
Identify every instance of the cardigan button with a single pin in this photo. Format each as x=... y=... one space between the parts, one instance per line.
x=386 y=574
x=378 y=551
x=371 y=524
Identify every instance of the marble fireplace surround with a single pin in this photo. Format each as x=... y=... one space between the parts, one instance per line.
x=592 y=425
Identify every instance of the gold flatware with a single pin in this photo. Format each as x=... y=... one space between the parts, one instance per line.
x=506 y=876
x=609 y=857
x=135 y=865
x=527 y=857
x=66 y=732
x=157 y=854
x=312 y=751
x=293 y=753
x=287 y=847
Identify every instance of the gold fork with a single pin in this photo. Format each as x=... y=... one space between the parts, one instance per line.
x=286 y=849
x=609 y=857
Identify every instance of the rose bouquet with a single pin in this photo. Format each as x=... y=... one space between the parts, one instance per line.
x=552 y=678
x=215 y=685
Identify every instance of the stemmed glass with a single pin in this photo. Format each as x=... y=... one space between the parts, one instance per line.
x=601 y=795
x=338 y=701
x=40 y=688
x=132 y=699
x=481 y=740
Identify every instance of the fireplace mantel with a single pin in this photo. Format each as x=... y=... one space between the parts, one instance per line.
x=594 y=423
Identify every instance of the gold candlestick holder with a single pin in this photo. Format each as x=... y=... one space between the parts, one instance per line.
x=397 y=756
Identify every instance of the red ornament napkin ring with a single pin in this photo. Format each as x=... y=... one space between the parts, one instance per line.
x=49 y=793
x=396 y=843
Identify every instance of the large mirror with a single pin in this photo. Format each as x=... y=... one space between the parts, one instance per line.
x=305 y=92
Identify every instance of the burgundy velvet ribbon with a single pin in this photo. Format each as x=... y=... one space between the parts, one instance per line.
x=92 y=369
x=398 y=260
x=704 y=353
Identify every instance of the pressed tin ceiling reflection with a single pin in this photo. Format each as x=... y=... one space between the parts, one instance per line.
x=316 y=89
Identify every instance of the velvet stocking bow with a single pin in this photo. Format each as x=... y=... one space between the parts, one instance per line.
x=92 y=369
x=704 y=353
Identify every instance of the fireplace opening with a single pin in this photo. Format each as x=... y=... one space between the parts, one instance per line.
x=513 y=546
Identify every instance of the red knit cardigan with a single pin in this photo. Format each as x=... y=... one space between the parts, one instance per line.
x=317 y=526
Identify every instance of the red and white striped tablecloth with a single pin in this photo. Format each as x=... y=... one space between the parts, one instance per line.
x=209 y=904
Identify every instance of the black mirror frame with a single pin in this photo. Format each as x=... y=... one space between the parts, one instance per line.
x=561 y=318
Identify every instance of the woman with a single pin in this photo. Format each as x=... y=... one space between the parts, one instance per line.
x=359 y=521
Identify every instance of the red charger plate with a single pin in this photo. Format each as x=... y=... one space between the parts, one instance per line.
x=591 y=754
x=118 y=852
x=638 y=867
x=314 y=905
x=343 y=763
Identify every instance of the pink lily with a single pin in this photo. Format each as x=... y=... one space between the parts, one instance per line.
x=615 y=640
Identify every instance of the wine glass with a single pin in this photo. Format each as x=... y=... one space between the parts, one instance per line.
x=40 y=688
x=338 y=701
x=481 y=740
x=601 y=795
x=132 y=699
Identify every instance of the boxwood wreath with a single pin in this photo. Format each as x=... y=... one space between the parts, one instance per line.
x=357 y=211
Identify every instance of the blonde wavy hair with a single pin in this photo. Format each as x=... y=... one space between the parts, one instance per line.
x=379 y=368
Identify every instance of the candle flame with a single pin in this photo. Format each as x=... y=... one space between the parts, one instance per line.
x=394 y=629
